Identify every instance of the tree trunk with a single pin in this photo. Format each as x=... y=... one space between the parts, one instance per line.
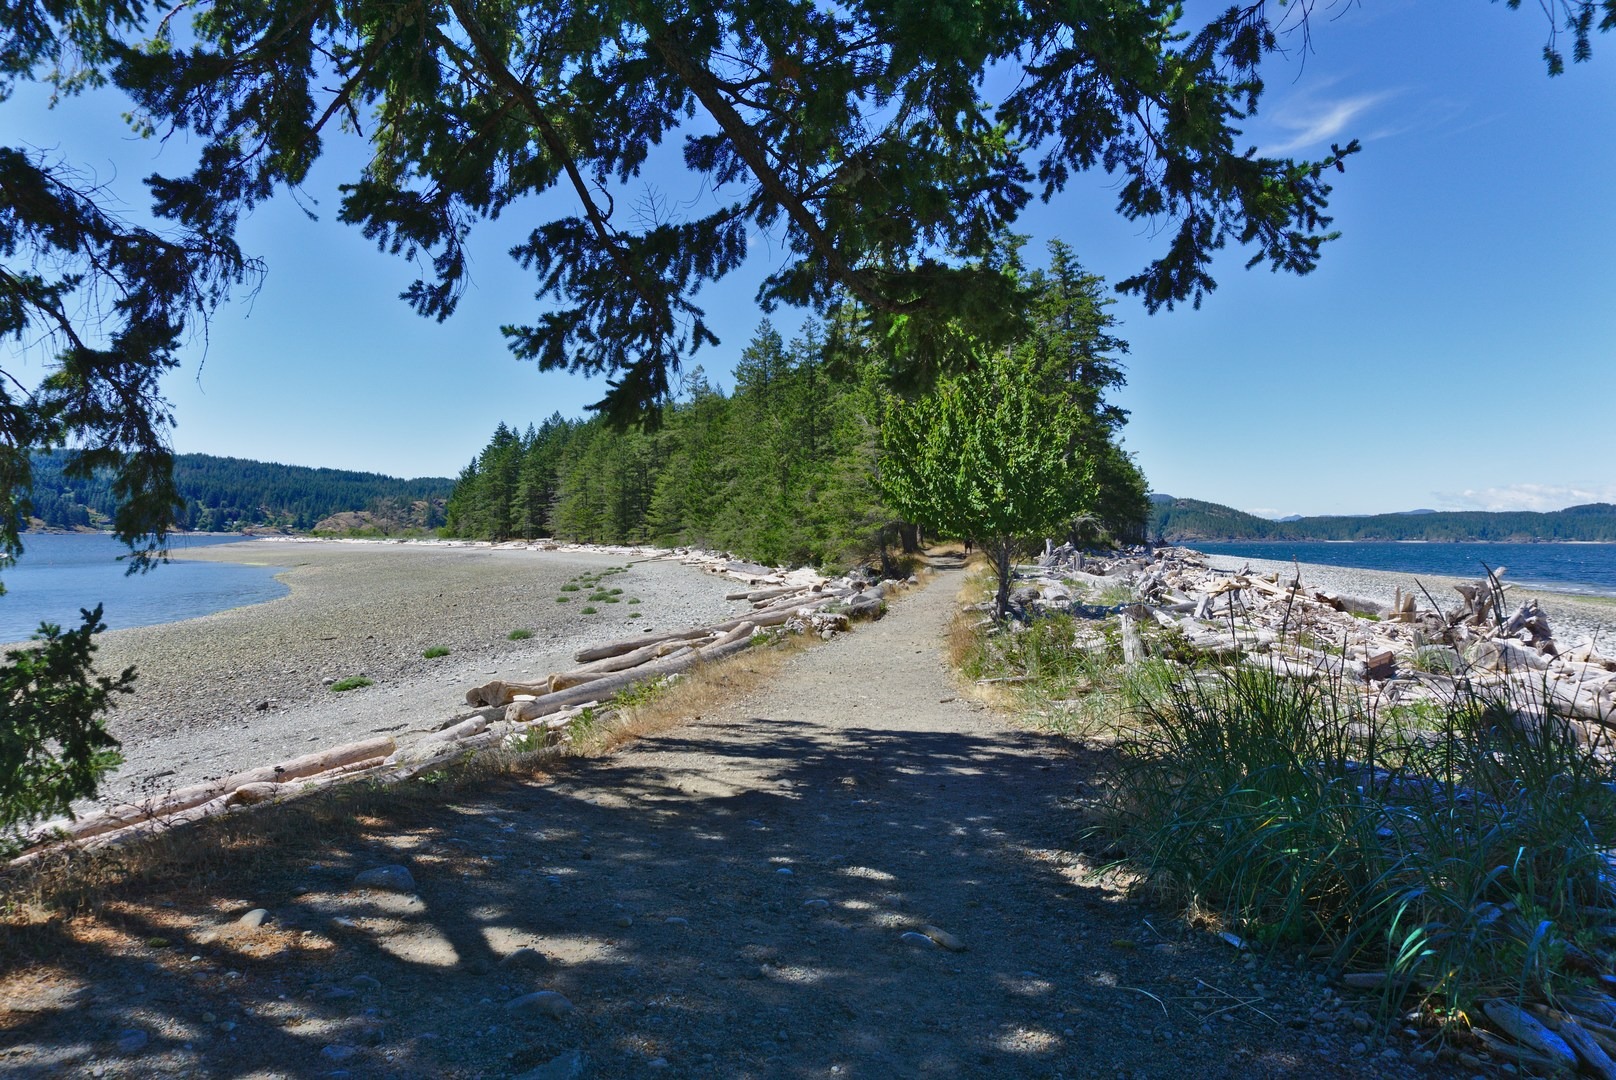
x=888 y=567
x=909 y=538
x=1000 y=549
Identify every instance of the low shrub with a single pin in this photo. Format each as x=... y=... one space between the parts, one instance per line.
x=434 y=652
x=54 y=746
x=519 y=635
x=590 y=610
x=352 y=682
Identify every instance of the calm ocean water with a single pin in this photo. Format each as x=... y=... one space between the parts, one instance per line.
x=1570 y=568
x=59 y=574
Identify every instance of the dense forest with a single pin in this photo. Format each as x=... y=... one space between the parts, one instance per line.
x=785 y=468
x=223 y=494
x=782 y=470
x=1184 y=520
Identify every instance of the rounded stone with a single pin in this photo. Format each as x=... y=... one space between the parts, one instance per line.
x=544 y=1003
x=388 y=878
x=525 y=958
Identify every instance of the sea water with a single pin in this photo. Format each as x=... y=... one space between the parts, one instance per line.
x=58 y=574
x=1570 y=568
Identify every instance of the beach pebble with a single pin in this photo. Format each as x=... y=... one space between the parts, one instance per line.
x=254 y=918
x=568 y=1065
x=918 y=940
x=544 y=1003
x=525 y=958
x=389 y=878
x=132 y=1041
x=339 y=1052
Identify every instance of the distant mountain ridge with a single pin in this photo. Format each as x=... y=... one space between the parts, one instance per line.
x=1175 y=520
x=226 y=494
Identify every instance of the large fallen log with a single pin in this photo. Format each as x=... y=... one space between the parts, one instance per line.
x=527 y=711
x=183 y=799
x=618 y=648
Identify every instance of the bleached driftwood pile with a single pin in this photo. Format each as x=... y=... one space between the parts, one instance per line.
x=508 y=714
x=1410 y=649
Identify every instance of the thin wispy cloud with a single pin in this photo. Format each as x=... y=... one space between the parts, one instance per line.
x=1540 y=497
x=1314 y=121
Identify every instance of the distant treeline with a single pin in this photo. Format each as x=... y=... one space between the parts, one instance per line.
x=1181 y=520
x=783 y=470
x=224 y=494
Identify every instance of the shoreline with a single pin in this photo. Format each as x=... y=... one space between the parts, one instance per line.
x=1576 y=618
x=250 y=685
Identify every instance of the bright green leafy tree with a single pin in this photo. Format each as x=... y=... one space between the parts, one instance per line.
x=1024 y=444
x=996 y=455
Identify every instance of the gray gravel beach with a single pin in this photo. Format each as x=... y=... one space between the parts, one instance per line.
x=247 y=687
x=1575 y=619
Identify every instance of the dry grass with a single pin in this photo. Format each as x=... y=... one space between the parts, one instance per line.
x=701 y=690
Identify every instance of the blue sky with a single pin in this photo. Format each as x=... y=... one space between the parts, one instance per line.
x=1455 y=350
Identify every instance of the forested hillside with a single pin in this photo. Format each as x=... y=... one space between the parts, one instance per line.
x=782 y=470
x=223 y=494
x=1184 y=520
x=786 y=469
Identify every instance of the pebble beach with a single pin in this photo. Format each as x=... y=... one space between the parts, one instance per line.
x=250 y=686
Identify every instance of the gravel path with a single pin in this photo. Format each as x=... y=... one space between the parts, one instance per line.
x=1575 y=619
x=247 y=687
x=752 y=895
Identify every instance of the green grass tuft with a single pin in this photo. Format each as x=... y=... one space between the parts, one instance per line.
x=590 y=610
x=1467 y=862
x=519 y=635
x=352 y=682
x=434 y=652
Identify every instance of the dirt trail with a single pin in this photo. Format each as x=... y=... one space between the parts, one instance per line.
x=729 y=899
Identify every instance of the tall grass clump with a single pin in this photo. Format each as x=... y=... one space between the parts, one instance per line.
x=1461 y=862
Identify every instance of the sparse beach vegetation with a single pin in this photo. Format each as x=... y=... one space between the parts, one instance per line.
x=1440 y=851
